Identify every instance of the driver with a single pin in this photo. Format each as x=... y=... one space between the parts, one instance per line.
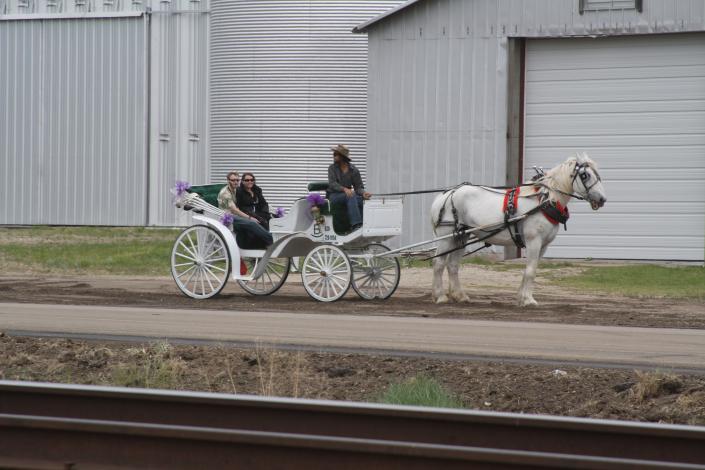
x=345 y=185
x=248 y=233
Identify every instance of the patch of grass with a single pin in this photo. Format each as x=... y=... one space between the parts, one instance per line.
x=644 y=280
x=155 y=368
x=117 y=250
x=420 y=391
x=654 y=384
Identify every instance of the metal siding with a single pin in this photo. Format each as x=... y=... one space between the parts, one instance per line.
x=68 y=129
x=437 y=98
x=637 y=105
x=557 y=18
x=288 y=80
x=179 y=105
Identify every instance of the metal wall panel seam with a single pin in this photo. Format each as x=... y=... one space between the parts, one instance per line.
x=68 y=16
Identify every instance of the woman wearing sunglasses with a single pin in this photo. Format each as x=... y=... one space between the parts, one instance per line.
x=249 y=199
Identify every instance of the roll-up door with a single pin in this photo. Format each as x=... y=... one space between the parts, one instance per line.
x=636 y=105
x=288 y=80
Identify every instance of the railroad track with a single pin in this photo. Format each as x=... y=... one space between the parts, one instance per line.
x=73 y=427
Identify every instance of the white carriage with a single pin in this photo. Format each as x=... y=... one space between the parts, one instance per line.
x=206 y=254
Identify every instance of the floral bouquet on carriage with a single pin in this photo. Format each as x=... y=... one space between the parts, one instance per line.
x=316 y=202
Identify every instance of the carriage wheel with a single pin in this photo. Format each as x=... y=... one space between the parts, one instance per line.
x=200 y=262
x=326 y=273
x=272 y=278
x=375 y=278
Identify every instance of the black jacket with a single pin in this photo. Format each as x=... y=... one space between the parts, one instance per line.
x=255 y=206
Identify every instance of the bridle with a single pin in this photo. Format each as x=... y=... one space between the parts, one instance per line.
x=580 y=171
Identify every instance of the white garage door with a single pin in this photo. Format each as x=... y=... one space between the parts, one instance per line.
x=636 y=105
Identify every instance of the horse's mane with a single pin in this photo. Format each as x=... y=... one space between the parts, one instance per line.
x=560 y=177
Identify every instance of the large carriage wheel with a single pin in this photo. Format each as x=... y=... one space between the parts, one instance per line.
x=326 y=273
x=200 y=262
x=270 y=280
x=375 y=278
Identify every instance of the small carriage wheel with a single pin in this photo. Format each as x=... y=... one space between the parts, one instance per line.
x=375 y=278
x=270 y=280
x=326 y=273
x=200 y=262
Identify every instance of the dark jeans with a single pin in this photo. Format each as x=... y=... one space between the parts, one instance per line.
x=354 y=205
x=250 y=235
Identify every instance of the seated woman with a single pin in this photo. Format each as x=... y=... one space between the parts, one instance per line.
x=249 y=199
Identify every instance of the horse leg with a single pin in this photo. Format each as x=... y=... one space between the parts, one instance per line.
x=455 y=291
x=439 y=265
x=526 y=290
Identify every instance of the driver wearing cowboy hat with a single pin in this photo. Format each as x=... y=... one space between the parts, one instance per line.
x=345 y=185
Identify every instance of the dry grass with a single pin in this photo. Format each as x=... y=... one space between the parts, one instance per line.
x=654 y=384
x=154 y=367
x=279 y=373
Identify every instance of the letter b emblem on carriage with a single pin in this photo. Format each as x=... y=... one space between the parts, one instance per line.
x=317 y=230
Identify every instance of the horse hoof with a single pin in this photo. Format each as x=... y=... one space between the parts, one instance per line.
x=462 y=298
x=528 y=303
x=442 y=300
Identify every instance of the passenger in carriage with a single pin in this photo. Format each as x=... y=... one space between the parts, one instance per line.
x=248 y=233
x=345 y=185
x=249 y=199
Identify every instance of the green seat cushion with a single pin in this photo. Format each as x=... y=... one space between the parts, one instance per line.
x=318 y=186
x=208 y=192
x=341 y=223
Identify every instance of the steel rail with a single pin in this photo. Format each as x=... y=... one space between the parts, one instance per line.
x=78 y=443
x=477 y=429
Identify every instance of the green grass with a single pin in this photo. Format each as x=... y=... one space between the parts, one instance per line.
x=644 y=280
x=136 y=251
x=420 y=391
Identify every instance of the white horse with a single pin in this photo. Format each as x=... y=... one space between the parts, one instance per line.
x=476 y=213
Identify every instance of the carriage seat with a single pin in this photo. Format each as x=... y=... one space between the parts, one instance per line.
x=341 y=223
x=208 y=192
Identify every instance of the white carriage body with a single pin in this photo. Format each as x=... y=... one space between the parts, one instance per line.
x=297 y=234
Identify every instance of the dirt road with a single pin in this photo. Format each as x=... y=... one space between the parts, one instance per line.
x=660 y=347
x=492 y=296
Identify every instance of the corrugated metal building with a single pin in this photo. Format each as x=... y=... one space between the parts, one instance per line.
x=288 y=80
x=482 y=90
x=103 y=104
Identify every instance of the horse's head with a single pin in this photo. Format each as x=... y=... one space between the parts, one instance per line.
x=587 y=182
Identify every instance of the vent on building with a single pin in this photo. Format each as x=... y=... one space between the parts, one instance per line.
x=602 y=5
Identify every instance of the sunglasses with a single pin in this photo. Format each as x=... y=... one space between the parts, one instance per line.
x=247 y=180
x=233 y=179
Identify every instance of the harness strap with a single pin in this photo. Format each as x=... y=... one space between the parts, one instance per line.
x=509 y=207
x=555 y=213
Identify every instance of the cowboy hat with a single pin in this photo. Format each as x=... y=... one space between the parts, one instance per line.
x=343 y=150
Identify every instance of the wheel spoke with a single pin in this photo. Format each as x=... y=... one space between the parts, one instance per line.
x=183 y=273
x=193 y=247
x=212 y=266
x=210 y=284
x=178 y=265
x=334 y=282
x=188 y=250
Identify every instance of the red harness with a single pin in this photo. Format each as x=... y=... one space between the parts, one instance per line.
x=507 y=195
x=562 y=215
x=509 y=208
x=555 y=214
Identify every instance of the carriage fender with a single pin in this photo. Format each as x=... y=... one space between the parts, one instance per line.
x=230 y=242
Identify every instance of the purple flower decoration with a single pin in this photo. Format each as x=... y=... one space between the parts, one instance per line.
x=181 y=187
x=279 y=213
x=315 y=199
x=227 y=219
